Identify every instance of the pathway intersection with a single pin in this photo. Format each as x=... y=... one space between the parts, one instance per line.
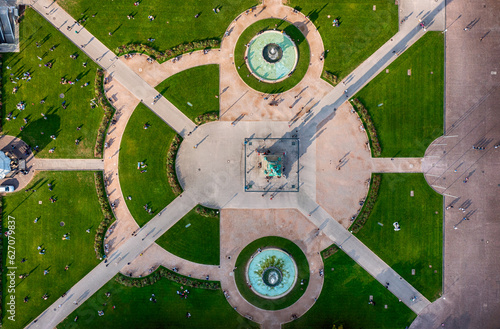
x=219 y=155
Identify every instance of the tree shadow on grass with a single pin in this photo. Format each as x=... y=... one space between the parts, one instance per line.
x=32 y=133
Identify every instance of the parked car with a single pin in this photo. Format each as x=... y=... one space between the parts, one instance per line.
x=7 y=188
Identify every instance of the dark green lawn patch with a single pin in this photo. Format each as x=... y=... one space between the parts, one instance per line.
x=361 y=30
x=302 y=64
x=78 y=208
x=45 y=86
x=344 y=300
x=195 y=238
x=149 y=146
x=174 y=20
x=133 y=308
x=197 y=86
x=302 y=269
x=419 y=243
x=411 y=116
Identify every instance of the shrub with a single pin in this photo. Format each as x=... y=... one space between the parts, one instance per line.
x=162 y=272
x=160 y=56
x=171 y=173
x=207 y=212
x=109 y=111
x=365 y=212
x=206 y=117
x=369 y=126
x=330 y=77
x=107 y=213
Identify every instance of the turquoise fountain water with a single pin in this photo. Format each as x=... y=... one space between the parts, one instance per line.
x=271 y=56
x=272 y=273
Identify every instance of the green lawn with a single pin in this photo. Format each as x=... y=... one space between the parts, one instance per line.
x=344 y=300
x=45 y=85
x=133 y=309
x=294 y=33
x=174 y=21
x=411 y=116
x=361 y=31
x=302 y=273
x=199 y=242
x=419 y=243
x=77 y=206
x=198 y=86
x=149 y=146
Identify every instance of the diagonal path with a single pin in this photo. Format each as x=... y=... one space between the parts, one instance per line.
x=362 y=255
x=128 y=251
x=104 y=57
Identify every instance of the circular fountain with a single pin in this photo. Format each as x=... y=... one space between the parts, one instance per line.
x=271 y=56
x=271 y=273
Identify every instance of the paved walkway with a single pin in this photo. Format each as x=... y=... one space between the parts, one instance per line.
x=221 y=190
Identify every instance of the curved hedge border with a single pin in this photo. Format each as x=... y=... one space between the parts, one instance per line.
x=362 y=216
x=369 y=126
x=162 y=272
x=368 y=205
x=106 y=211
x=279 y=25
x=109 y=111
x=162 y=56
x=171 y=173
x=302 y=269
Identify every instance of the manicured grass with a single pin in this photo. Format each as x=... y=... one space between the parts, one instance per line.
x=361 y=31
x=199 y=242
x=45 y=85
x=411 y=116
x=302 y=273
x=419 y=243
x=149 y=146
x=197 y=86
x=208 y=308
x=302 y=64
x=77 y=206
x=174 y=21
x=344 y=300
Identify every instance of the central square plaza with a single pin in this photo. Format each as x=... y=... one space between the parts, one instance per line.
x=271 y=164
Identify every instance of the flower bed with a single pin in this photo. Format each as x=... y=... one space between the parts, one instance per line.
x=107 y=213
x=368 y=205
x=330 y=77
x=162 y=272
x=171 y=173
x=162 y=56
x=109 y=111
x=206 y=117
x=369 y=126
x=207 y=212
